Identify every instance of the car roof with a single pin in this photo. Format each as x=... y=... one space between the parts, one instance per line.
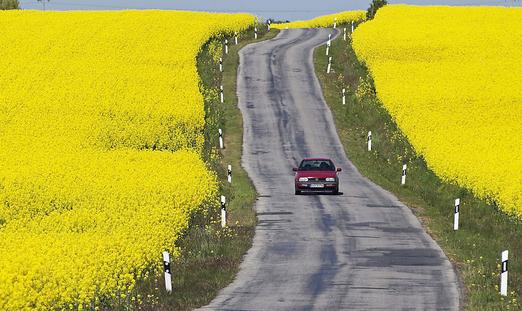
x=316 y=159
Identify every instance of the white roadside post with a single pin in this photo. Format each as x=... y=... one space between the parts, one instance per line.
x=166 y=268
x=456 y=215
x=255 y=32
x=229 y=174
x=329 y=65
x=369 y=141
x=221 y=94
x=226 y=46
x=352 y=26
x=221 y=145
x=403 y=179
x=220 y=64
x=335 y=23
x=344 y=35
x=235 y=37
x=328 y=43
x=344 y=96
x=504 y=274
x=269 y=23
x=223 y=212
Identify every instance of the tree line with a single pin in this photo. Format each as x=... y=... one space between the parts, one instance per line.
x=9 y=5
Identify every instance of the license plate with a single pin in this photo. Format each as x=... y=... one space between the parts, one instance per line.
x=316 y=186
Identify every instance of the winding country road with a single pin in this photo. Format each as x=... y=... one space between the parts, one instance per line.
x=362 y=250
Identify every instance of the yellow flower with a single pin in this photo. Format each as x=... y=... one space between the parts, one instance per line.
x=101 y=131
x=326 y=21
x=452 y=86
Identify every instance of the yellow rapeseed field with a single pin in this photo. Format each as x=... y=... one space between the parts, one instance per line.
x=101 y=131
x=451 y=79
x=326 y=20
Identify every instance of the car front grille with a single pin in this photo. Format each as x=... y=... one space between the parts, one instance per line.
x=316 y=179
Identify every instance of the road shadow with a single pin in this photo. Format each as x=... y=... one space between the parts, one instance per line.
x=320 y=194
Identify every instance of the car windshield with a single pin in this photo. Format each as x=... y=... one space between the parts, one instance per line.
x=317 y=165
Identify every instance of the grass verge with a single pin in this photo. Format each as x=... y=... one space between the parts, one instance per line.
x=484 y=230
x=211 y=255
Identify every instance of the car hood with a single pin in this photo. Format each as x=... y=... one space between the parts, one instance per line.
x=316 y=174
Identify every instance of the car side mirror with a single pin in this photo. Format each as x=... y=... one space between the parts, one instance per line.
x=295 y=169
x=339 y=169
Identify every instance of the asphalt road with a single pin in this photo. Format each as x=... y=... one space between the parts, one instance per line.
x=362 y=250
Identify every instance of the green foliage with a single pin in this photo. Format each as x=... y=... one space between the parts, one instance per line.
x=215 y=49
x=9 y=5
x=374 y=7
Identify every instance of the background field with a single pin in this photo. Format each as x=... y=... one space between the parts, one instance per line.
x=450 y=77
x=342 y=18
x=101 y=142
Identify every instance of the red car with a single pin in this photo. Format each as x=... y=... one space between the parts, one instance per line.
x=316 y=175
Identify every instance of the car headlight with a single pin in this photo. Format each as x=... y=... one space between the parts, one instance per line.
x=303 y=179
x=330 y=179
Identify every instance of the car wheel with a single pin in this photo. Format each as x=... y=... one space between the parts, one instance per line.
x=297 y=192
x=336 y=191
